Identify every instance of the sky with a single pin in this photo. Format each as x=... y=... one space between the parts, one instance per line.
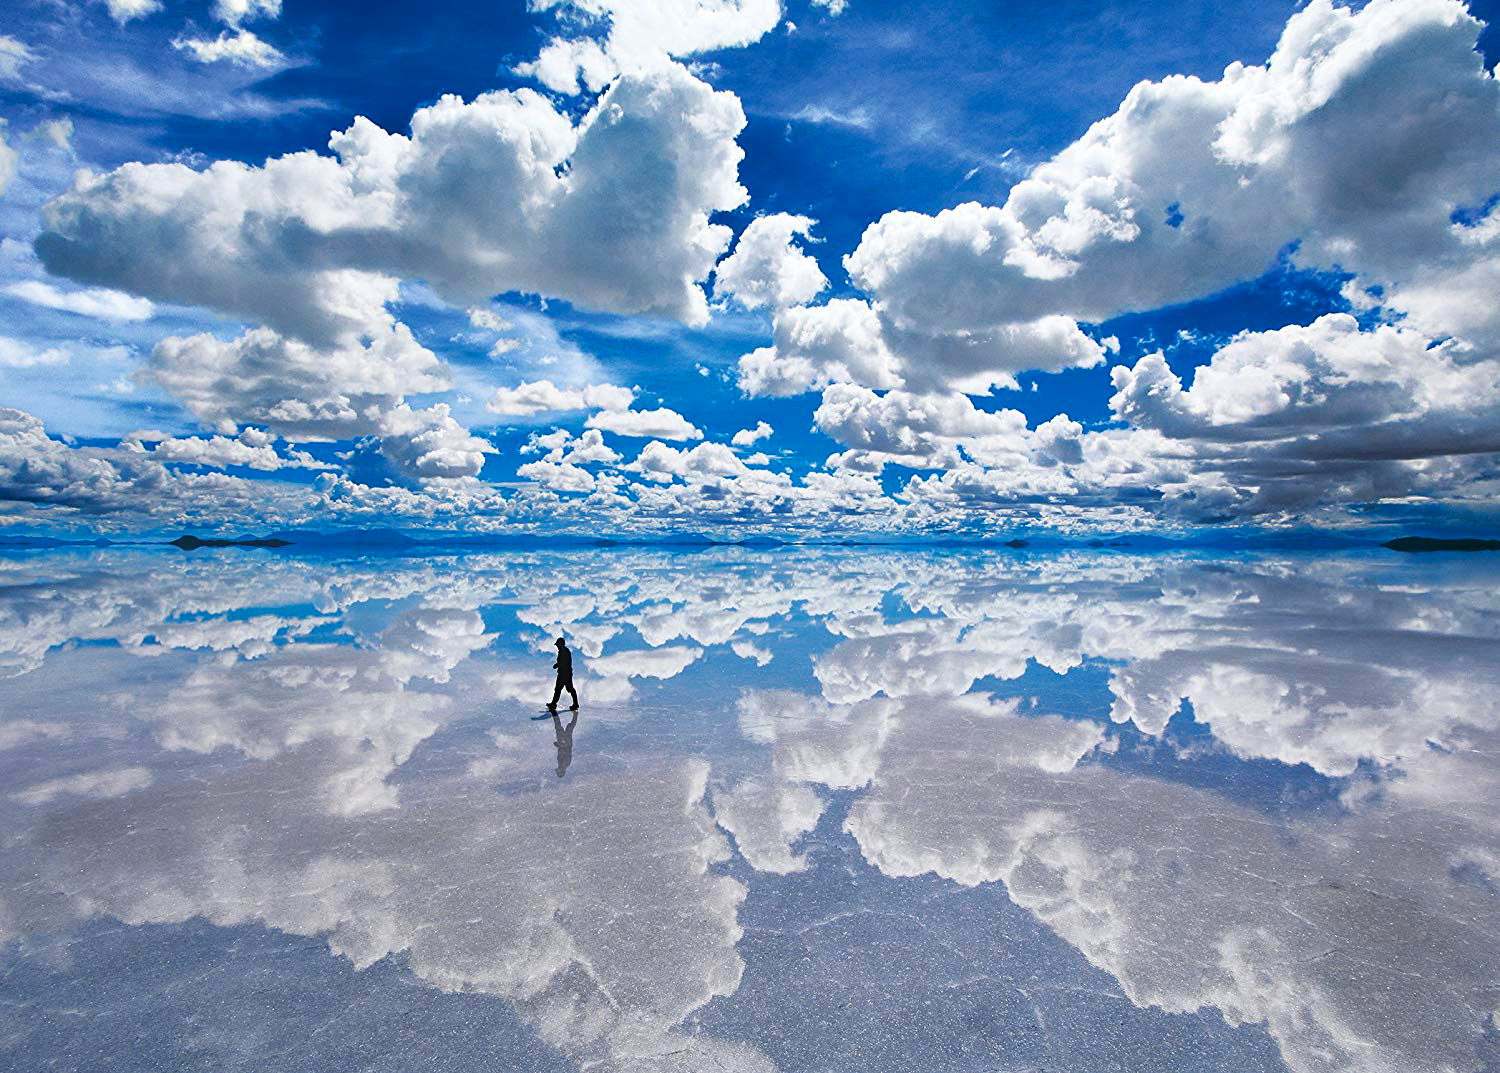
x=826 y=267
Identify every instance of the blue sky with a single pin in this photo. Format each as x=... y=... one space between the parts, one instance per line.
x=622 y=235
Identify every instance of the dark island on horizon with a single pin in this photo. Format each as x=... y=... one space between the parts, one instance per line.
x=1416 y=543
x=188 y=542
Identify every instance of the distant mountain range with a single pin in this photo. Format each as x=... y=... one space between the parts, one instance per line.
x=393 y=541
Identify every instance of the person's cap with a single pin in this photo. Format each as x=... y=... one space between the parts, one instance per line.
x=561 y=641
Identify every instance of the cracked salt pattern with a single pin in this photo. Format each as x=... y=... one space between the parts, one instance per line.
x=826 y=809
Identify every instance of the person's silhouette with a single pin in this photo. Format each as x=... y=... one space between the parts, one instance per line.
x=564 y=742
x=564 y=667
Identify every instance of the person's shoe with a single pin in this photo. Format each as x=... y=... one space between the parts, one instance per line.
x=572 y=707
x=552 y=707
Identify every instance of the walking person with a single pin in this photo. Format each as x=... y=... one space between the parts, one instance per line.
x=564 y=667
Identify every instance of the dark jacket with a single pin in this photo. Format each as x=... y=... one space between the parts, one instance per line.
x=564 y=663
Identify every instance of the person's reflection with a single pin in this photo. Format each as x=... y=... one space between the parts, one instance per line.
x=564 y=742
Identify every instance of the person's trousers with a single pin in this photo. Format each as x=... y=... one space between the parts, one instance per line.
x=564 y=683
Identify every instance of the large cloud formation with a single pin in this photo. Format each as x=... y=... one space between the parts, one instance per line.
x=38 y=473
x=1358 y=140
x=1366 y=148
x=503 y=193
x=1367 y=145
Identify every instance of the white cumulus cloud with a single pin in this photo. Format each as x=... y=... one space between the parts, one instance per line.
x=767 y=268
x=122 y=11
x=637 y=35
x=543 y=396
x=94 y=302
x=661 y=424
x=311 y=245
x=240 y=47
x=747 y=436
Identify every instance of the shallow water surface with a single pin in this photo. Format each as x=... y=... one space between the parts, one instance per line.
x=820 y=810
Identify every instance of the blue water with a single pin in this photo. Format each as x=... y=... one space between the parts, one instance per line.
x=822 y=809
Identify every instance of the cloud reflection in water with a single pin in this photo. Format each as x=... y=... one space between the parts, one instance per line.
x=344 y=750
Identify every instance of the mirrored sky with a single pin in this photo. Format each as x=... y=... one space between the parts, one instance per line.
x=821 y=809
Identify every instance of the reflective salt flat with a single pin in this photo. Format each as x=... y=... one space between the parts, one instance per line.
x=828 y=809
